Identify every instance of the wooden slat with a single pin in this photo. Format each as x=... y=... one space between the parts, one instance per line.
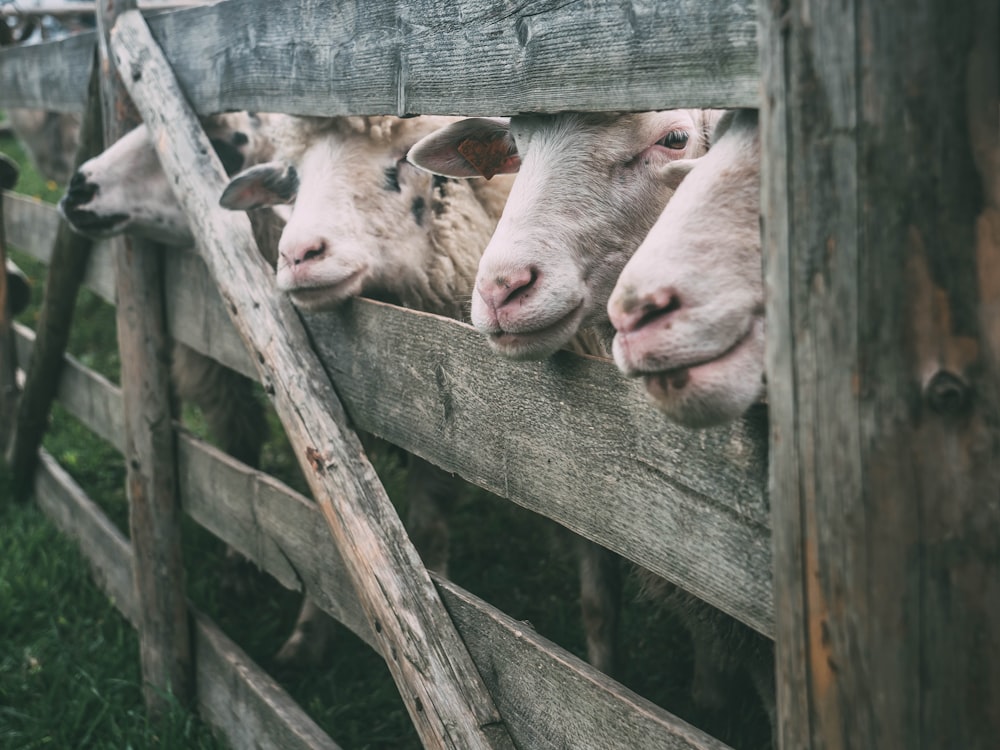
x=441 y=689
x=89 y=397
x=689 y=505
x=536 y=683
x=32 y=226
x=471 y=57
x=234 y=694
x=50 y=75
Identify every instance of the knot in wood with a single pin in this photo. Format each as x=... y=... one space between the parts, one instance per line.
x=947 y=393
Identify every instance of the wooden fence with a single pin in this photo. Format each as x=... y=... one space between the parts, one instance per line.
x=889 y=617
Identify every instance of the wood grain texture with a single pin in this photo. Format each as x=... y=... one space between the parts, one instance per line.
x=50 y=75
x=430 y=56
x=437 y=679
x=883 y=268
x=66 y=266
x=33 y=226
x=568 y=438
x=89 y=397
x=150 y=458
x=234 y=695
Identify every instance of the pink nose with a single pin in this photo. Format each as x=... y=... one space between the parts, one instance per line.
x=503 y=290
x=304 y=252
x=631 y=312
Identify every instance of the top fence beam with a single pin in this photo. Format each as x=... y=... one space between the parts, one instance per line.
x=433 y=57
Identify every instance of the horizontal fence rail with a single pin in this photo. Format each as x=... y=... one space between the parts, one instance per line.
x=483 y=58
x=569 y=438
x=549 y=698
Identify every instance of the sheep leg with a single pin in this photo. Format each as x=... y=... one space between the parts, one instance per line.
x=307 y=645
x=600 y=603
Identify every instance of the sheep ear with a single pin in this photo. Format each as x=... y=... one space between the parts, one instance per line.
x=475 y=147
x=673 y=173
x=263 y=185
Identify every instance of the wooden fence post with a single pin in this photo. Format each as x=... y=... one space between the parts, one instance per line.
x=70 y=255
x=881 y=206
x=150 y=451
x=8 y=355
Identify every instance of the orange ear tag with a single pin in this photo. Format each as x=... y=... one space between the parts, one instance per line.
x=488 y=158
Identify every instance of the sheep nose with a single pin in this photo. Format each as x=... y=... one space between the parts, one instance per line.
x=630 y=312
x=79 y=190
x=304 y=252
x=502 y=290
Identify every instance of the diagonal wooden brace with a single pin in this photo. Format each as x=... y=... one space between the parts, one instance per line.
x=442 y=690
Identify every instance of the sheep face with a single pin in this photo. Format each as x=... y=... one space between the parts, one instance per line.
x=364 y=221
x=689 y=305
x=124 y=188
x=588 y=188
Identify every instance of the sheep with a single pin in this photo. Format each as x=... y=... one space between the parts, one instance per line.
x=589 y=187
x=365 y=221
x=689 y=306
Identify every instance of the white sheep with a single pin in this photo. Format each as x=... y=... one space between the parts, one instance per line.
x=689 y=306
x=365 y=221
x=588 y=188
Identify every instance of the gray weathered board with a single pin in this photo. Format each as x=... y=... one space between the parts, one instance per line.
x=568 y=438
x=428 y=56
x=234 y=694
x=549 y=698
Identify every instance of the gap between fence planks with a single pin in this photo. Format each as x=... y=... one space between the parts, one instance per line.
x=441 y=689
x=233 y=693
x=379 y=56
x=8 y=355
x=70 y=253
x=550 y=698
x=150 y=458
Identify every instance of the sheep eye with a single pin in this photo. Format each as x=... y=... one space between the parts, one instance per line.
x=676 y=139
x=392 y=179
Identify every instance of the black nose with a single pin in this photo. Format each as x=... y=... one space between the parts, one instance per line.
x=79 y=191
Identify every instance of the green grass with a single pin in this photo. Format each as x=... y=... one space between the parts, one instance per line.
x=69 y=662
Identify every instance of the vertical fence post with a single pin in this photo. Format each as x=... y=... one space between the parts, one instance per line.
x=154 y=510
x=8 y=359
x=881 y=206
x=70 y=255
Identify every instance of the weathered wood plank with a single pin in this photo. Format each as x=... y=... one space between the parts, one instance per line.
x=89 y=397
x=883 y=312
x=50 y=75
x=234 y=694
x=548 y=697
x=568 y=438
x=32 y=227
x=437 y=679
x=242 y=699
x=100 y=542
x=69 y=260
x=150 y=457
x=428 y=56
